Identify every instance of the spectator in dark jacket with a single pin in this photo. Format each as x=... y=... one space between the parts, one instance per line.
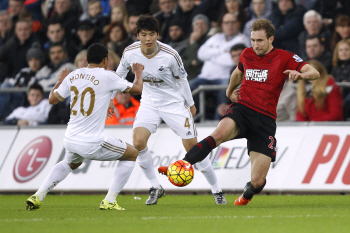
x=5 y=27
x=67 y=15
x=26 y=77
x=341 y=31
x=164 y=16
x=15 y=8
x=13 y=53
x=185 y=11
x=192 y=64
x=313 y=26
x=341 y=71
x=177 y=36
x=315 y=49
x=287 y=18
x=96 y=16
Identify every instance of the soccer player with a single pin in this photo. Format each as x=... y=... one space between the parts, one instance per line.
x=166 y=96
x=90 y=90
x=262 y=71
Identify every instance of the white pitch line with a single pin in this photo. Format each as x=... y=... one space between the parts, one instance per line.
x=249 y=216
x=178 y=217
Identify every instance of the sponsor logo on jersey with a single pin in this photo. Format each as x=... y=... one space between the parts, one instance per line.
x=297 y=58
x=32 y=159
x=188 y=133
x=153 y=81
x=161 y=69
x=257 y=75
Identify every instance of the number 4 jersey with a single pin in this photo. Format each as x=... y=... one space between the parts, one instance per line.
x=90 y=90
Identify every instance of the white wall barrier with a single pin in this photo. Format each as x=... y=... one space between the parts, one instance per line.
x=309 y=158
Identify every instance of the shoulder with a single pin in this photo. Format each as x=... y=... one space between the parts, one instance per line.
x=248 y=52
x=112 y=73
x=170 y=52
x=131 y=48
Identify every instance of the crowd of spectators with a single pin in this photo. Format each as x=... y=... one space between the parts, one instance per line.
x=39 y=38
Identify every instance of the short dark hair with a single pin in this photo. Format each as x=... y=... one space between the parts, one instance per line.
x=147 y=22
x=96 y=53
x=238 y=47
x=264 y=24
x=311 y=37
x=59 y=44
x=36 y=86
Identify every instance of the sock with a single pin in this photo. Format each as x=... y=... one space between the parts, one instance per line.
x=122 y=173
x=58 y=173
x=250 y=191
x=199 y=151
x=207 y=170
x=146 y=163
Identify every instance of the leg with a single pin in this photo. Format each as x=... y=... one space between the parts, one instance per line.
x=145 y=160
x=260 y=166
x=140 y=138
x=226 y=130
x=58 y=173
x=121 y=176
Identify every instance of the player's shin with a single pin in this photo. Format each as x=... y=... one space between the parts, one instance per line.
x=201 y=150
x=250 y=190
x=207 y=170
x=121 y=175
x=145 y=161
x=58 y=173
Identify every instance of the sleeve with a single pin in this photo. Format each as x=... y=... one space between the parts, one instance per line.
x=294 y=62
x=123 y=67
x=63 y=91
x=207 y=51
x=241 y=61
x=180 y=75
x=117 y=83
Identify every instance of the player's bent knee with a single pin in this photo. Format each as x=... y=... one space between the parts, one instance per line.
x=74 y=166
x=139 y=143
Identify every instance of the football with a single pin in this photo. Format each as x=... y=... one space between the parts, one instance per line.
x=180 y=173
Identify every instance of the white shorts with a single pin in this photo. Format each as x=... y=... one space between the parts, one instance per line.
x=110 y=149
x=177 y=116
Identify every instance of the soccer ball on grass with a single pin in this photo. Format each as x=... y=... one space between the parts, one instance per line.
x=180 y=173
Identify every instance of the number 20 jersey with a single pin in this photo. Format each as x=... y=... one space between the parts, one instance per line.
x=90 y=90
x=263 y=78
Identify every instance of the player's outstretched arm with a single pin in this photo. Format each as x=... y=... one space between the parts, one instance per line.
x=52 y=98
x=137 y=69
x=307 y=72
x=235 y=81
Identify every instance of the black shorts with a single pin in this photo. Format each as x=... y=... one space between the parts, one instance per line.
x=259 y=129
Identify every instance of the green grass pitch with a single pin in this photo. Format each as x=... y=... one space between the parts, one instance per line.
x=179 y=213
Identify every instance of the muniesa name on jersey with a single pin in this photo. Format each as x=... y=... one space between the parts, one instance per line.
x=256 y=75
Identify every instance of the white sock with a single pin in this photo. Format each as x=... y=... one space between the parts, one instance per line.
x=58 y=173
x=207 y=169
x=121 y=175
x=145 y=161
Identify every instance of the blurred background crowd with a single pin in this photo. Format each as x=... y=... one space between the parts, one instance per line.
x=39 y=38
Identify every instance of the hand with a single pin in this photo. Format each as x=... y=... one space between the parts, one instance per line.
x=195 y=36
x=233 y=96
x=137 y=69
x=194 y=63
x=110 y=111
x=63 y=75
x=293 y=75
x=21 y=122
x=193 y=110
